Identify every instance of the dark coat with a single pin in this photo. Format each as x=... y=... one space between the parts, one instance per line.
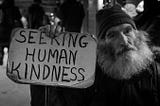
x=72 y=14
x=36 y=16
x=10 y=20
x=59 y=96
x=140 y=90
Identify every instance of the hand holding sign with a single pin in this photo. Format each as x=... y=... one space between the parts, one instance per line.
x=52 y=29
x=66 y=60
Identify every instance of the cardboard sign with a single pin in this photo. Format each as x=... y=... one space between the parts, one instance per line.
x=66 y=60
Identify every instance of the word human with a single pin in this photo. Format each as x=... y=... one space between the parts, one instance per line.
x=51 y=55
x=50 y=59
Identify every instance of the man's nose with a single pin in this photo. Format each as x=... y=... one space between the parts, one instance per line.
x=123 y=39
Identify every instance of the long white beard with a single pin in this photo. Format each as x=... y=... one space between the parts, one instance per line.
x=126 y=65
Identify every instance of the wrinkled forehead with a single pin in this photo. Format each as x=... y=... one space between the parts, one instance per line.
x=120 y=27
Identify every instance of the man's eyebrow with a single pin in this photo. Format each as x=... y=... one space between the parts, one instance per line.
x=108 y=32
x=111 y=31
x=129 y=26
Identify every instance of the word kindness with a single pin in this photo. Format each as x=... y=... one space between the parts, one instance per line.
x=65 y=59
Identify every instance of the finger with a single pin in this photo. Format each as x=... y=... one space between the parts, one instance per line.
x=56 y=20
x=44 y=28
x=59 y=29
x=41 y=28
x=52 y=28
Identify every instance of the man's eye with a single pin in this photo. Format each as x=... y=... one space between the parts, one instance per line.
x=110 y=35
x=128 y=30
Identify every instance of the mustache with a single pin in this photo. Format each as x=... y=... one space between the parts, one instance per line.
x=125 y=49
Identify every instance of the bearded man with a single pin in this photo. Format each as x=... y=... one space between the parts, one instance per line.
x=126 y=73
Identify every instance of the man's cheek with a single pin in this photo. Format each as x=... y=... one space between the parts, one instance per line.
x=137 y=43
x=113 y=46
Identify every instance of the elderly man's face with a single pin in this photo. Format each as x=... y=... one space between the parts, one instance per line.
x=121 y=38
x=123 y=52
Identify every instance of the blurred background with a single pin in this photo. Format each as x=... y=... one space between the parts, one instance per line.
x=13 y=94
x=90 y=7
